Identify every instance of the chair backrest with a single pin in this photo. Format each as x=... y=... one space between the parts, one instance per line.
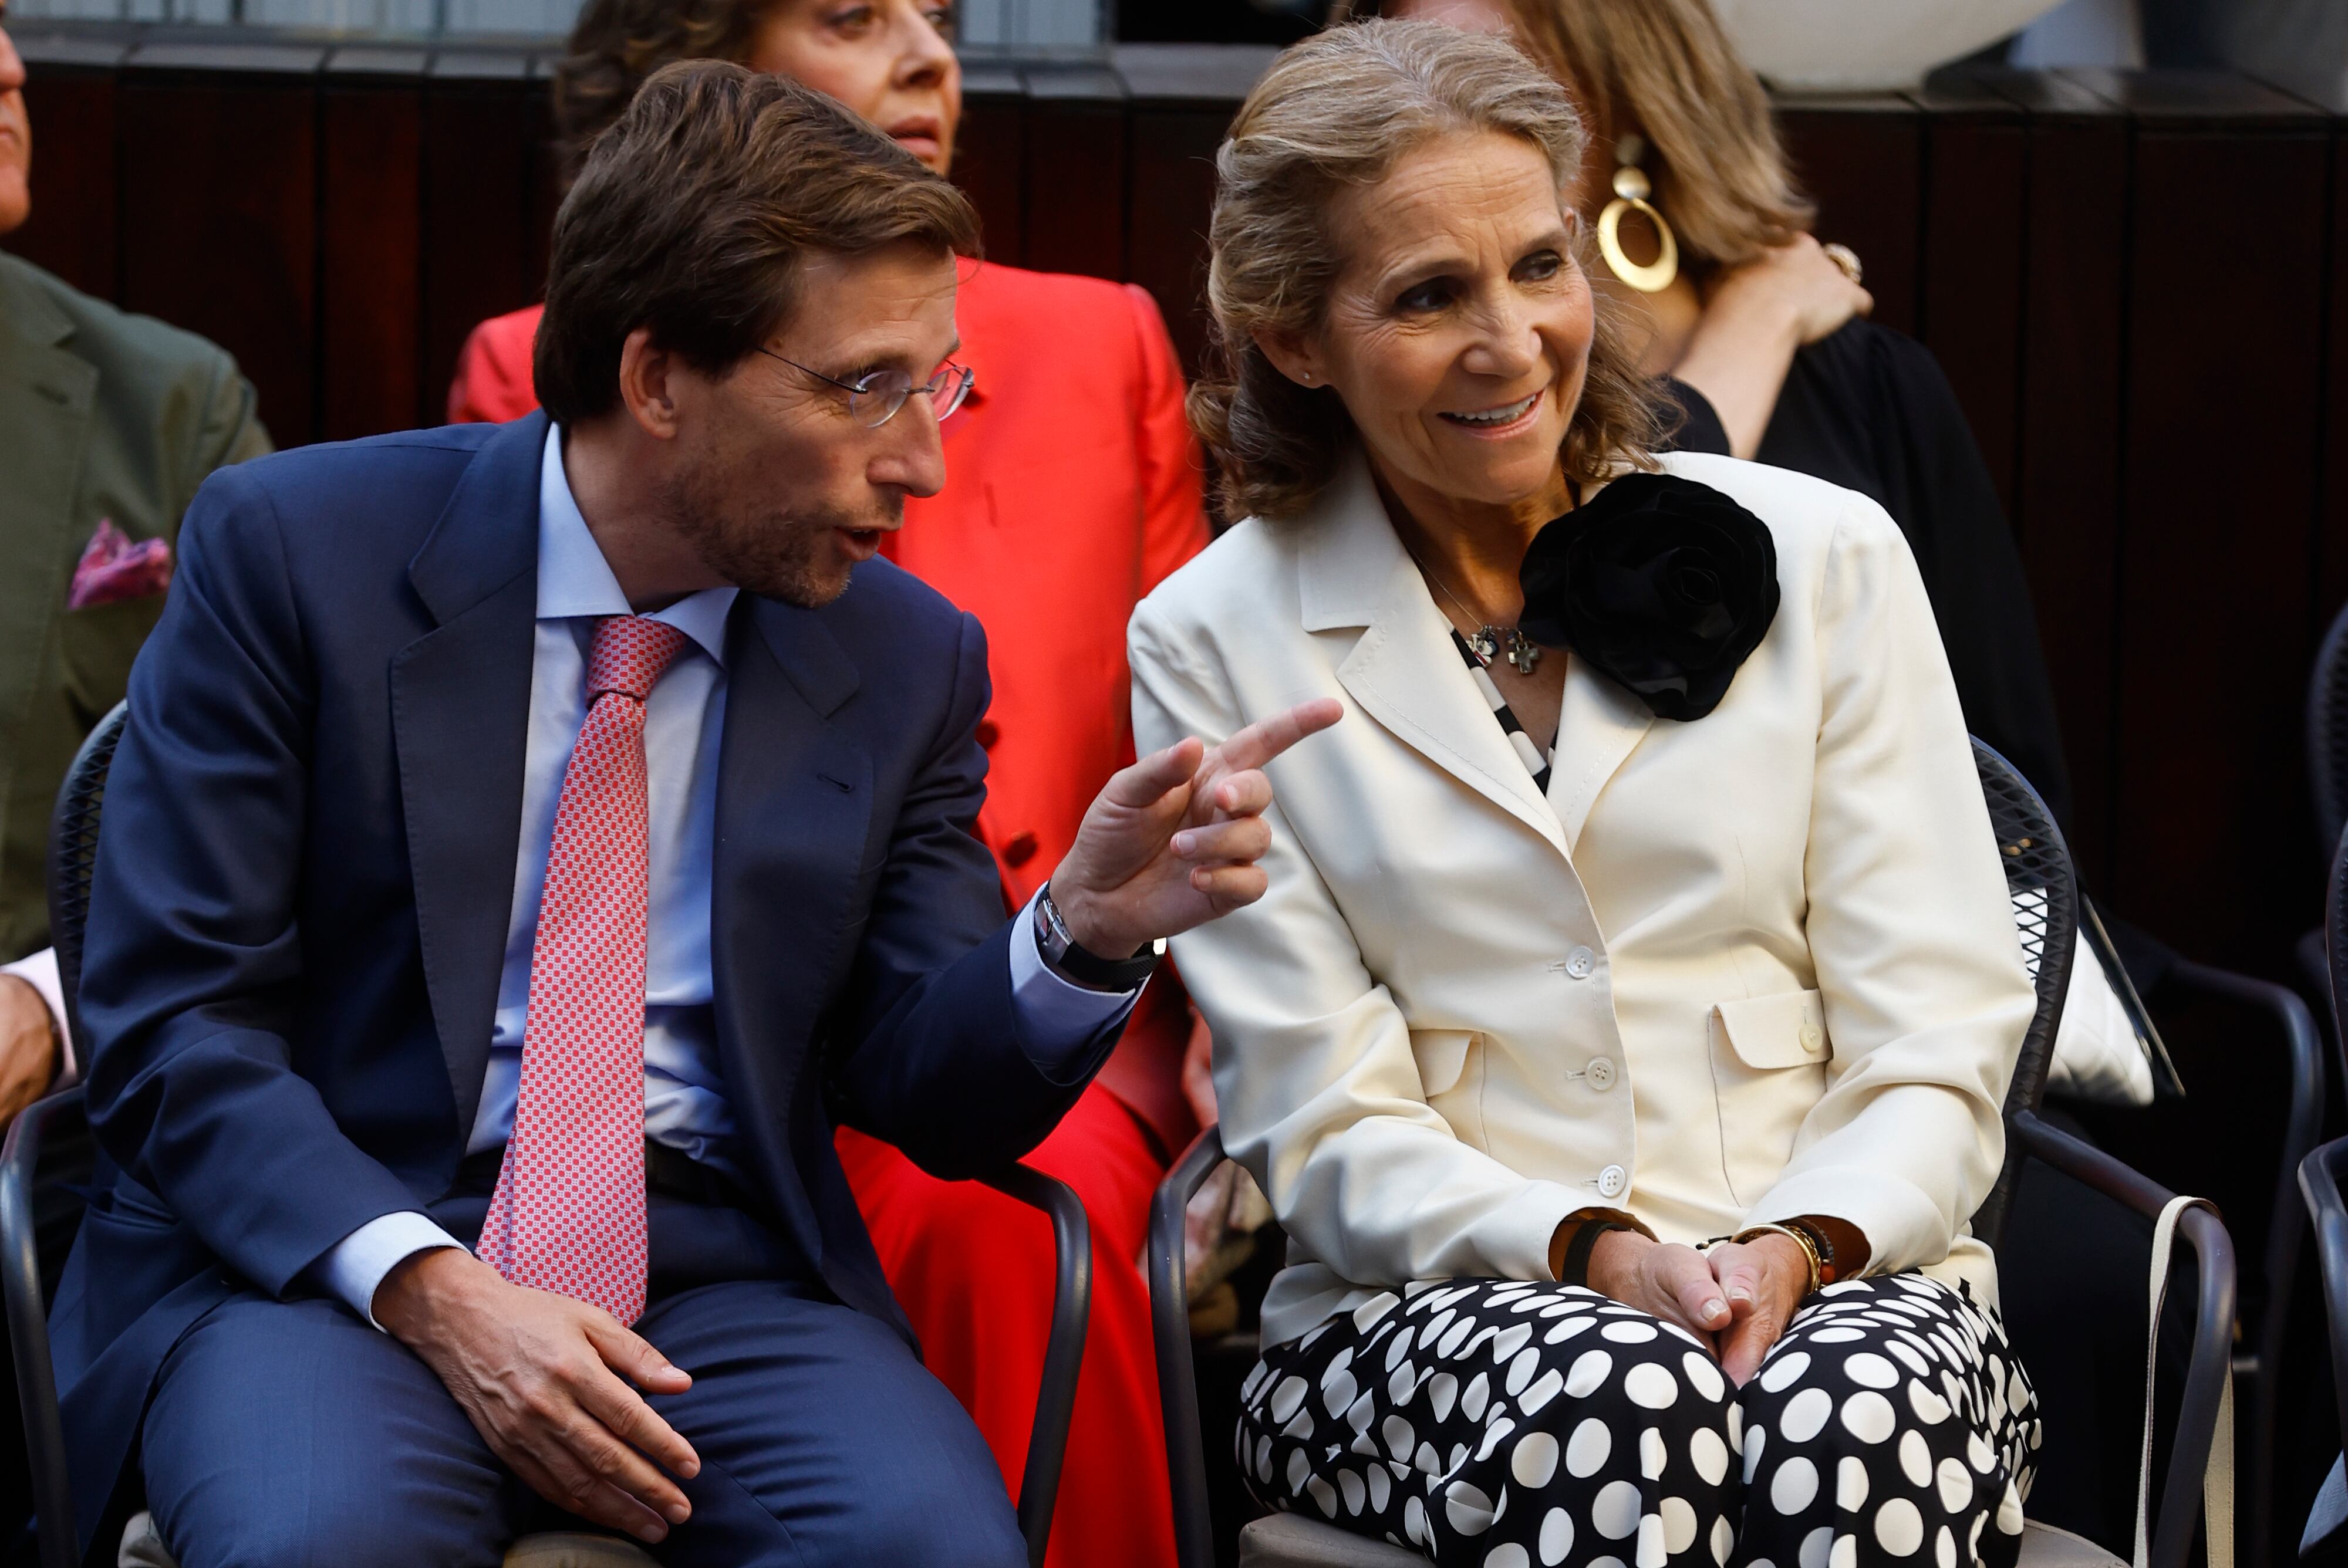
x=2335 y=927
x=72 y=852
x=2046 y=896
x=2327 y=735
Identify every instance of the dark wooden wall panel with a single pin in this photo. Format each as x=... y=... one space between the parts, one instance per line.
x=1862 y=160
x=219 y=211
x=1075 y=138
x=2215 y=635
x=1173 y=182
x=73 y=231
x=2067 y=495
x=991 y=158
x=1976 y=172
x=371 y=130
x=483 y=132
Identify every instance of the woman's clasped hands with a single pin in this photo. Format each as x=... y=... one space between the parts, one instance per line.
x=1736 y=1298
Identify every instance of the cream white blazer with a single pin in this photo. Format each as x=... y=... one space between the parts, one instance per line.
x=1755 y=965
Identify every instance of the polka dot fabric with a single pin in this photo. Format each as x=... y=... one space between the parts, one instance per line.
x=569 y=1212
x=1498 y=1425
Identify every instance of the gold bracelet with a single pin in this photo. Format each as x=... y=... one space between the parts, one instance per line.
x=1809 y=1249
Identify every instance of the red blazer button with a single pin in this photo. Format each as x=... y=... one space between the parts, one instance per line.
x=1020 y=850
x=988 y=733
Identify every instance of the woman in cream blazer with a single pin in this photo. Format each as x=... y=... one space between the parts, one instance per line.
x=1755 y=968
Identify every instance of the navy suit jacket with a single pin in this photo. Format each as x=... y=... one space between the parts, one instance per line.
x=306 y=865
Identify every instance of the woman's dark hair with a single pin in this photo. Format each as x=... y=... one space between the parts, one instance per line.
x=694 y=212
x=616 y=44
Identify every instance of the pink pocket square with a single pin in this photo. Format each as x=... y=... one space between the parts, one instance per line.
x=113 y=568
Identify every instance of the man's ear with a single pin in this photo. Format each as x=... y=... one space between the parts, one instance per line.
x=647 y=389
x=1295 y=357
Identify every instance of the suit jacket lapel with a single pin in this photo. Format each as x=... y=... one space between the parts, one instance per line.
x=1405 y=672
x=460 y=715
x=47 y=394
x=794 y=810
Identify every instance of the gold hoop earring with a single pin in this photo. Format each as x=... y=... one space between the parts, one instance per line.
x=1630 y=193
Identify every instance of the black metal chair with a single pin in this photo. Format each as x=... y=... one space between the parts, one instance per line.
x=2041 y=881
x=2321 y=1173
x=72 y=855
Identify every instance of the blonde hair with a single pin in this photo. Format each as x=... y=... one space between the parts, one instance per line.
x=1336 y=112
x=1667 y=67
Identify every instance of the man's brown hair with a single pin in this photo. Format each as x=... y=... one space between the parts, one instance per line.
x=696 y=212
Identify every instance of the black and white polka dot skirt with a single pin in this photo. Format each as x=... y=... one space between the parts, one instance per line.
x=1502 y=1424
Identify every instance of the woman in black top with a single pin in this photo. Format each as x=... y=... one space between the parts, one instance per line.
x=1760 y=330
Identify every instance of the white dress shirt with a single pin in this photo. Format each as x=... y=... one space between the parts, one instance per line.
x=684 y=721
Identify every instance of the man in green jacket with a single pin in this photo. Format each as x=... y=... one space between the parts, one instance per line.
x=108 y=422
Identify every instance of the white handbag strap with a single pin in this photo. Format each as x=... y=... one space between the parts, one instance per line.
x=2217 y=1479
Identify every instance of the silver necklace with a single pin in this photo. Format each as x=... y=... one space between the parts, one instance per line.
x=1490 y=643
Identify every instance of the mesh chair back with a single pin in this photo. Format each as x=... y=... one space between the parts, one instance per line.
x=72 y=852
x=2335 y=927
x=2327 y=735
x=2045 y=897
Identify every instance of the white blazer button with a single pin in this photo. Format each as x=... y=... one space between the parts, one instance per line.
x=1811 y=1038
x=1601 y=1074
x=1611 y=1181
x=1579 y=962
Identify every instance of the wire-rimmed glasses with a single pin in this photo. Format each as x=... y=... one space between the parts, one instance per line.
x=875 y=397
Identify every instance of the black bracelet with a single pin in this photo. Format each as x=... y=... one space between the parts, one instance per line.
x=1824 y=1243
x=1575 y=1267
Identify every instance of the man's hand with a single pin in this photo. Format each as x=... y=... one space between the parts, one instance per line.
x=28 y=1046
x=1173 y=841
x=1663 y=1278
x=1765 y=1280
x=535 y=1372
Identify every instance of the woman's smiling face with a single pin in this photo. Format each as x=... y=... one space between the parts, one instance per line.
x=1458 y=332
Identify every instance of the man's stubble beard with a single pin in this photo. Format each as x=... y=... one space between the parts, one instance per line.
x=774 y=554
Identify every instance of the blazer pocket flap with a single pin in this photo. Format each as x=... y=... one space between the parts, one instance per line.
x=1788 y=1030
x=1442 y=1057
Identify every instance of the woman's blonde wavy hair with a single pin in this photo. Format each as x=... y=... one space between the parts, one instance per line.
x=1339 y=112
x=1666 y=68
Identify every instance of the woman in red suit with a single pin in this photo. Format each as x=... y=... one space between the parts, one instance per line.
x=1073 y=487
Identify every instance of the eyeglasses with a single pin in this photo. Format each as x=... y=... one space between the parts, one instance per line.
x=875 y=397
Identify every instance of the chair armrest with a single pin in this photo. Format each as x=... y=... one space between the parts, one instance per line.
x=2302 y=1125
x=2319 y=1184
x=28 y=1327
x=1170 y=1324
x=2210 y=1366
x=1064 y=1354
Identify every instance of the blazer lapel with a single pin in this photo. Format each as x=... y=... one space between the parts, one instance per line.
x=460 y=717
x=1405 y=672
x=1597 y=729
x=794 y=815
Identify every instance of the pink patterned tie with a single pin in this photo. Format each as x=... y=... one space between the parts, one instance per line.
x=569 y=1212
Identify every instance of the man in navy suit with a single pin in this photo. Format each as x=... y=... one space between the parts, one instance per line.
x=529 y=842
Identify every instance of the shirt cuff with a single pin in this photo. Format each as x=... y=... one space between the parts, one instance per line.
x=1059 y=1020
x=40 y=972
x=356 y=1265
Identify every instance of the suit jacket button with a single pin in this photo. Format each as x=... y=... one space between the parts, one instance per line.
x=988 y=733
x=1601 y=1074
x=1579 y=962
x=1020 y=850
x=1611 y=1181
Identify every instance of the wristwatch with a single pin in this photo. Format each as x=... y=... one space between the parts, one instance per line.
x=1090 y=970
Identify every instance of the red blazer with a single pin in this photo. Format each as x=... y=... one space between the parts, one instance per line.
x=1073 y=487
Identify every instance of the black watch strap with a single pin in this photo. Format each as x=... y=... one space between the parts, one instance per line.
x=1062 y=953
x=1574 y=1268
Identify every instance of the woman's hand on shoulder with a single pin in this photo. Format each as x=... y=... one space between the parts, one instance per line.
x=1765 y=1280
x=1666 y=1279
x=1797 y=284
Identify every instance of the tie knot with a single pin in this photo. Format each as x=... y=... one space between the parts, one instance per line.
x=628 y=655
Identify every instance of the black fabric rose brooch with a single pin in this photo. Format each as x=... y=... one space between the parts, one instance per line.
x=1661 y=583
